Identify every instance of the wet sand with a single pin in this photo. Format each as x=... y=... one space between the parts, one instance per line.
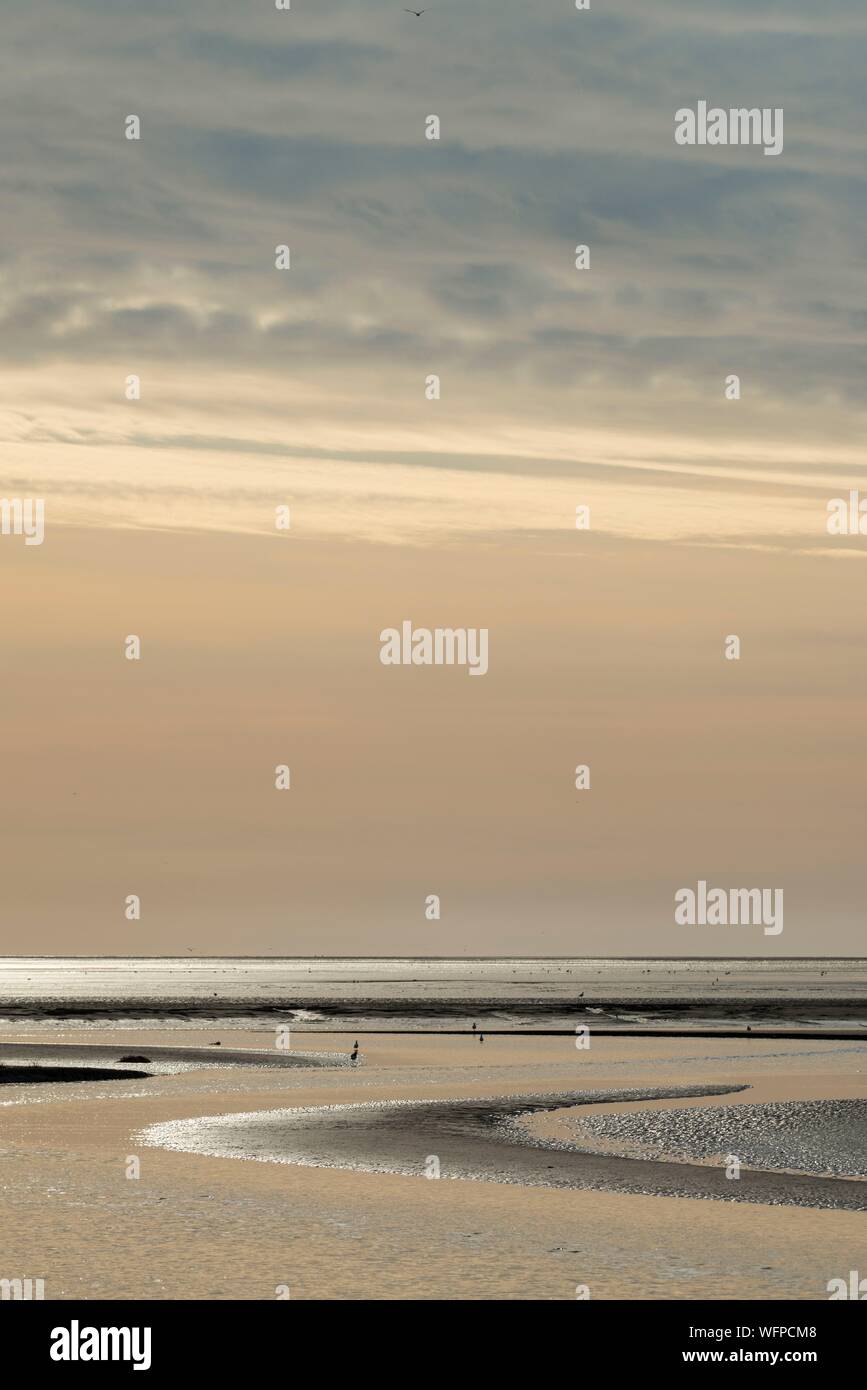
x=821 y=1137
x=478 y=1140
x=193 y=1226
x=166 y=1057
x=787 y=996
x=51 y=1075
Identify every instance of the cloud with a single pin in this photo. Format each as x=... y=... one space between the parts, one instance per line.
x=412 y=257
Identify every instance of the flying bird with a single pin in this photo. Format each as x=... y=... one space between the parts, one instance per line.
x=418 y=13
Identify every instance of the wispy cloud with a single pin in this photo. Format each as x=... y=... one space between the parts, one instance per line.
x=453 y=257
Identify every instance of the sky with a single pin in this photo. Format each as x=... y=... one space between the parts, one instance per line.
x=559 y=388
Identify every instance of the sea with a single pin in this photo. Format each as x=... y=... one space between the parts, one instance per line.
x=510 y=994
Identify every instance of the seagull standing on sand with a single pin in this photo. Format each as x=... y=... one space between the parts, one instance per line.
x=353 y=1056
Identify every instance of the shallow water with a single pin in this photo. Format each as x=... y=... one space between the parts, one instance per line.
x=36 y=1075
x=437 y=995
x=480 y=1140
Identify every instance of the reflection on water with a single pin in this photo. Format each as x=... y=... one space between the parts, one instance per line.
x=440 y=994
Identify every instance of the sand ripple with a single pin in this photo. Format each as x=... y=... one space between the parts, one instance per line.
x=811 y=1136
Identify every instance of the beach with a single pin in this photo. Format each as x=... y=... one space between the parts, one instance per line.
x=433 y=538
x=193 y=1225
